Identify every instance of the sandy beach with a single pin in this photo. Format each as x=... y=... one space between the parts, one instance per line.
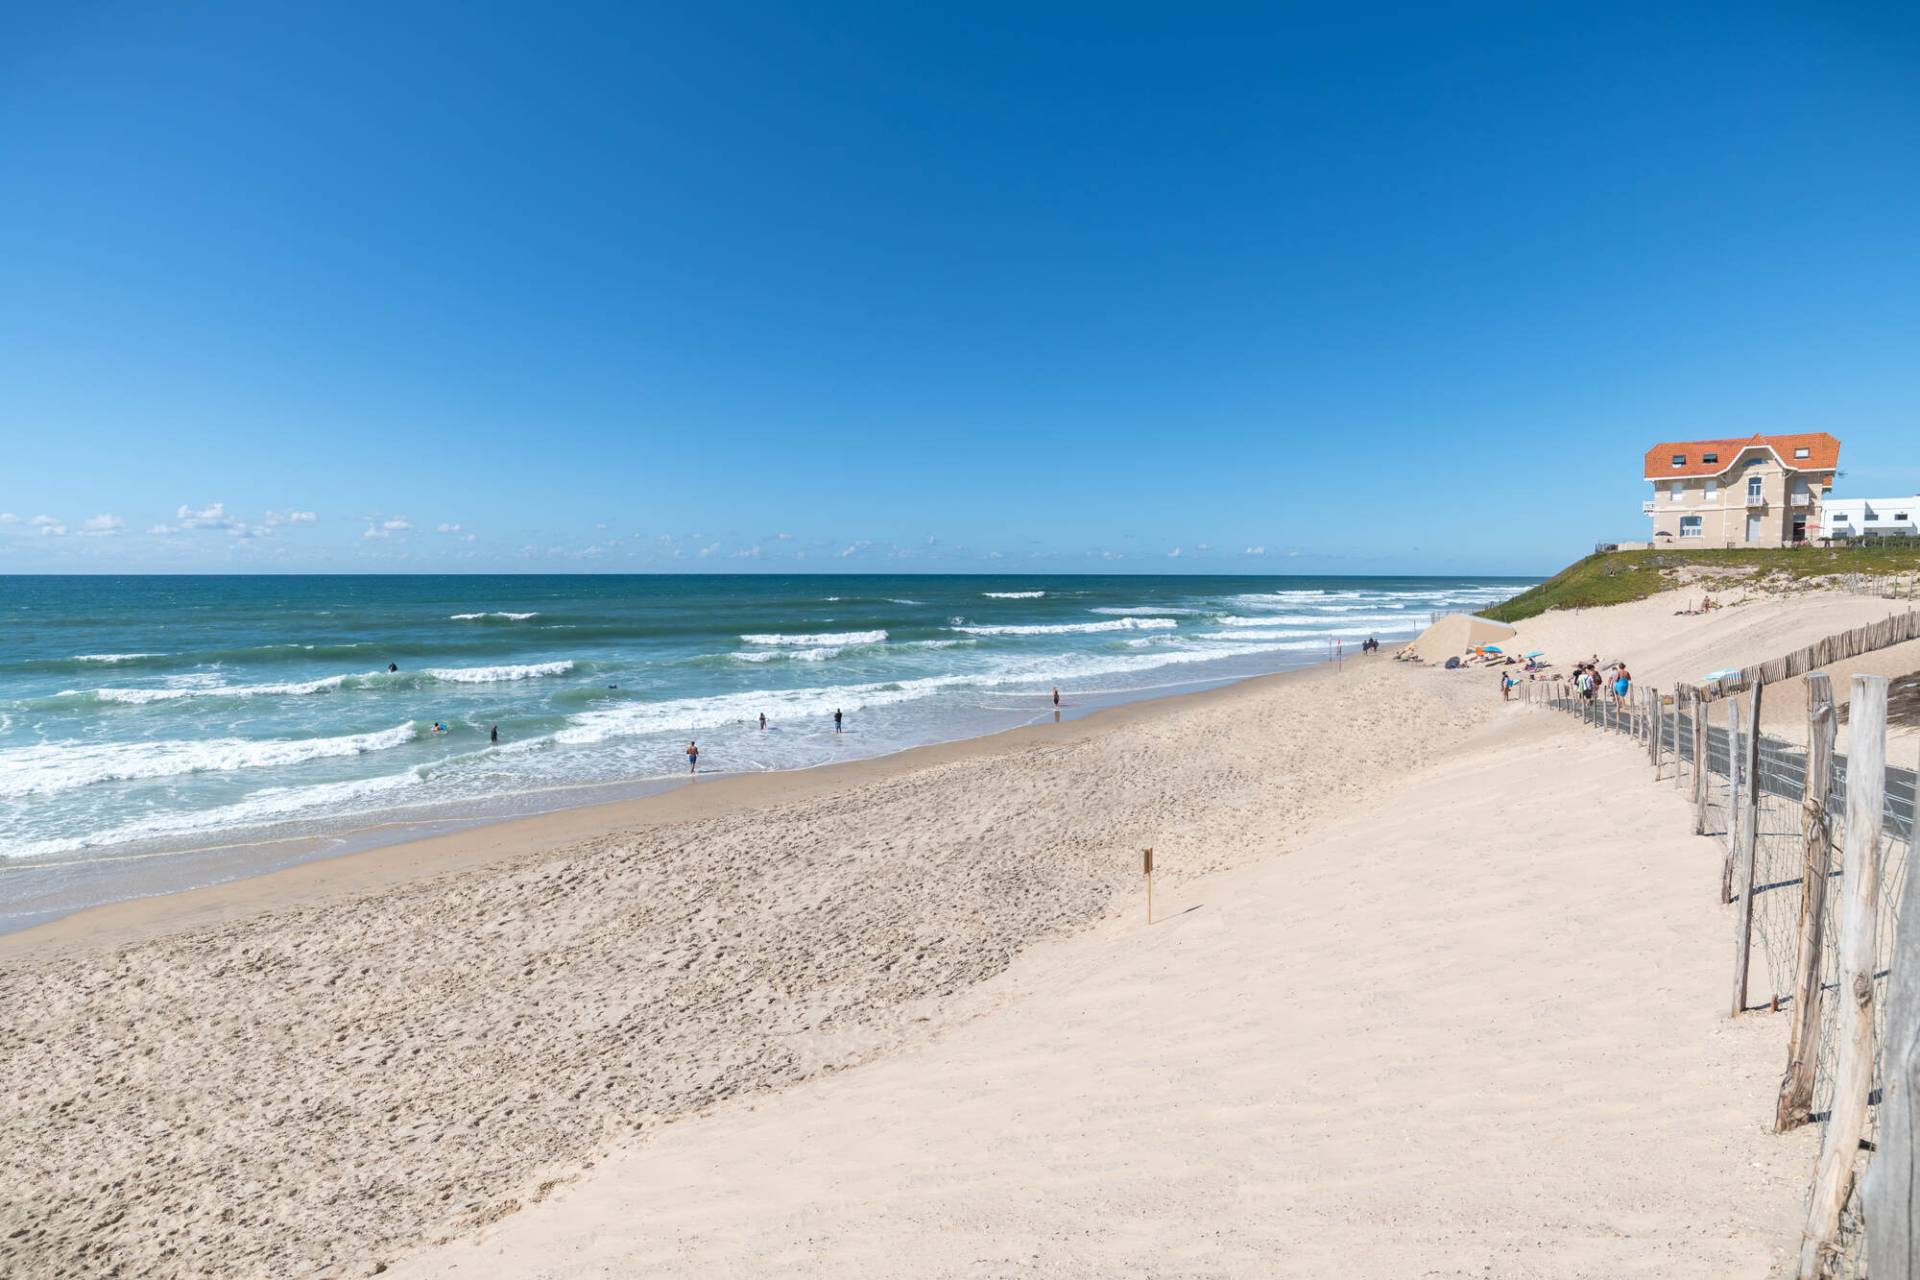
x=1433 y=989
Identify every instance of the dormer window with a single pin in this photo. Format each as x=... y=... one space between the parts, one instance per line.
x=1679 y=459
x=1709 y=457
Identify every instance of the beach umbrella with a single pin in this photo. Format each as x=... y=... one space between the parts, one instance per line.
x=1535 y=653
x=1493 y=648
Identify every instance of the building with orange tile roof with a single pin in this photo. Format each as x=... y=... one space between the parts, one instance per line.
x=1759 y=491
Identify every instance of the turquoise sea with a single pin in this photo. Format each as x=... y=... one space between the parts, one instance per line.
x=163 y=731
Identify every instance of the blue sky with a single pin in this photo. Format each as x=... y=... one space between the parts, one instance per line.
x=1288 y=289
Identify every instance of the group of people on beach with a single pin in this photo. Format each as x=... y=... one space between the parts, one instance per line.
x=839 y=726
x=1614 y=684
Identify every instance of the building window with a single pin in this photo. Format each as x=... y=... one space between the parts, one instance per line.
x=1710 y=491
x=1689 y=526
x=1899 y=515
x=1800 y=453
x=1753 y=487
x=1679 y=459
x=1709 y=457
x=1674 y=492
x=1871 y=517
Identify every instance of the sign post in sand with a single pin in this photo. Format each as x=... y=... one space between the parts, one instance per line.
x=1147 y=859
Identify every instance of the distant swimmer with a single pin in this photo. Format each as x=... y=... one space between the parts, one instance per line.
x=438 y=727
x=1056 y=695
x=836 y=719
x=763 y=722
x=495 y=735
x=693 y=756
x=393 y=666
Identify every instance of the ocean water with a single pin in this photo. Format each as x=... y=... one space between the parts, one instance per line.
x=156 y=732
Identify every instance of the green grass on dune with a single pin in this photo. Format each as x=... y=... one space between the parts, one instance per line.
x=1616 y=577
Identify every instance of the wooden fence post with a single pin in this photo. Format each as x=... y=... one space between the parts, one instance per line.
x=1733 y=800
x=1859 y=920
x=1816 y=855
x=1700 y=770
x=1653 y=731
x=1749 y=846
x=1893 y=1228
x=1675 y=717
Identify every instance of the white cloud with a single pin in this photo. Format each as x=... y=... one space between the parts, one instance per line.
x=49 y=527
x=7 y=517
x=290 y=517
x=748 y=553
x=1174 y=554
x=1205 y=546
x=708 y=551
x=398 y=524
x=164 y=530
x=378 y=528
x=994 y=555
x=213 y=516
x=102 y=526
x=784 y=537
x=1254 y=551
x=600 y=524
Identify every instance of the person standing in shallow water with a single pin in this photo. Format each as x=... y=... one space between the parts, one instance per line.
x=763 y=722
x=494 y=736
x=836 y=719
x=693 y=757
x=1056 y=697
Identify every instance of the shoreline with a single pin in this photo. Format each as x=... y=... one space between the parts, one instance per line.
x=459 y=844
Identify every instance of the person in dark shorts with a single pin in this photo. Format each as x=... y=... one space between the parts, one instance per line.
x=693 y=756
x=836 y=719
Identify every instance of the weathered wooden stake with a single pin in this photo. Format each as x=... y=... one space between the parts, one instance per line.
x=1653 y=731
x=1149 y=868
x=1853 y=1076
x=1816 y=860
x=1700 y=773
x=1733 y=800
x=1893 y=1228
x=1749 y=846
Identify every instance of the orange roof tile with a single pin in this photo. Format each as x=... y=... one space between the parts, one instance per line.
x=1823 y=454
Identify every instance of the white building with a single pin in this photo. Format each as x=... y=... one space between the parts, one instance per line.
x=1872 y=517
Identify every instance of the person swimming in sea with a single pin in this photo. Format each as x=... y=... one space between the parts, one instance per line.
x=438 y=727
x=392 y=667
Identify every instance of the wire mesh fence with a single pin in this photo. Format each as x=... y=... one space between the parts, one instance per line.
x=1791 y=846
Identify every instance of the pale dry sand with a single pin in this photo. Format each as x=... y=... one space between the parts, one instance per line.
x=1472 y=1031
x=308 y=1073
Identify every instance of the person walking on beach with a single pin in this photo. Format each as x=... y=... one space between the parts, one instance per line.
x=1506 y=687
x=836 y=719
x=693 y=756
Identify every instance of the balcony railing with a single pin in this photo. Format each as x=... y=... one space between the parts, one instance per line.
x=1801 y=499
x=1756 y=499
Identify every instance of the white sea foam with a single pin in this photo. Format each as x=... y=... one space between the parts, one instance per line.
x=63 y=766
x=1072 y=628
x=1142 y=610
x=474 y=617
x=1013 y=595
x=203 y=688
x=784 y=654
x=114 y=657
x=492 y=675
x=823 y=638
x=1309 y=619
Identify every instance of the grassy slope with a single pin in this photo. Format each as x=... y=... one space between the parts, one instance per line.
x=1615 y=577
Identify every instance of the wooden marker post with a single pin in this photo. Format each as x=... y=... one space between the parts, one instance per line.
x=1148 y=861
x=1803 y=1042
x=1860 y=885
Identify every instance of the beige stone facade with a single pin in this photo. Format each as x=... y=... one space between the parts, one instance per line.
x=1761 y=492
